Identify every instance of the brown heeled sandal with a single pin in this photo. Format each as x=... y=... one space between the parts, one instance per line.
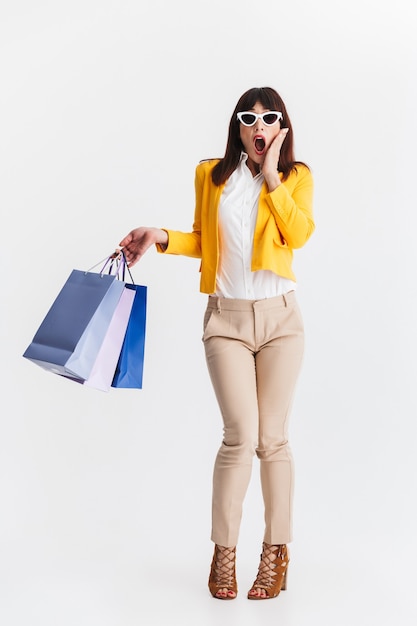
x=272 y=573
x=223 y=573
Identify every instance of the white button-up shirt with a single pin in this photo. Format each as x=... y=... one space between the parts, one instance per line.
x=237 y=219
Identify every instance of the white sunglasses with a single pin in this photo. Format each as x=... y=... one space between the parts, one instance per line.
x=269 y=118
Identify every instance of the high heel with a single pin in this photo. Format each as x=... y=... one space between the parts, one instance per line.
x=272 y=573
x=284 y=580
x=223 y=573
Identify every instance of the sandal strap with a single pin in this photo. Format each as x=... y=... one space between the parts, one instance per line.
x=224 y=567
x=274 y=562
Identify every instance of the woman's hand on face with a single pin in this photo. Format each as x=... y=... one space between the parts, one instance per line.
x=137 y=242
x=269 y=166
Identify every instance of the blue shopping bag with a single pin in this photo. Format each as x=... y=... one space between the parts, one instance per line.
x=129 y=370
x=69 y=338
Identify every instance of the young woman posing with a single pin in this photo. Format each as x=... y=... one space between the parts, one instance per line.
x=253 y=208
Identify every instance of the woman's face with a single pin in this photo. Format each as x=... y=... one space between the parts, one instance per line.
x=256 y=139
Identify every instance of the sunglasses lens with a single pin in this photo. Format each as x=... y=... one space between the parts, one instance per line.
x=248 y=119
x=270 y=118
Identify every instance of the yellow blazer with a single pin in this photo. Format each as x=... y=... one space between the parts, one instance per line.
x=284 y=222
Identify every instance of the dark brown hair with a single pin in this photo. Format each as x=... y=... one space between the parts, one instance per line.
x=271 y=100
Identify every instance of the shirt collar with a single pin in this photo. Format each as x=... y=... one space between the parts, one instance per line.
x=242 y=163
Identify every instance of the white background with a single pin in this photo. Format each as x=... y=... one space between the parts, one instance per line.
x=105 y=109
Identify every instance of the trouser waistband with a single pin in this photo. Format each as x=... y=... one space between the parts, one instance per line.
x=232 y=304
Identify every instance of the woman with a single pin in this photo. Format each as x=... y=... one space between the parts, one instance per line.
x=253 y=207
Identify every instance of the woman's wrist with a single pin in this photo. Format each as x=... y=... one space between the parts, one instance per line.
x=272 y=180
x=161 y=238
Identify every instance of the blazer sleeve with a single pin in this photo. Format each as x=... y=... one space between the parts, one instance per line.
x=291 y=203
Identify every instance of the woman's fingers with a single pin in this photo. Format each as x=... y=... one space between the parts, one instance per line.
x=136 y=243
x=279 y=139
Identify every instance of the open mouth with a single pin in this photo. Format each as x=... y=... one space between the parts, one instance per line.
x=259 y=143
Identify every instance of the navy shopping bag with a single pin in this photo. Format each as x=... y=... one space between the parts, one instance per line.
x=69 y=338
x=129 y=370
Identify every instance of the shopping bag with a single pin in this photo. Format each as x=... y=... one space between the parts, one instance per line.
x=102 y=374
x=69 y=338
x=129 y=370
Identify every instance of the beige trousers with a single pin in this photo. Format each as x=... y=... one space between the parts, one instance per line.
x=254 y=351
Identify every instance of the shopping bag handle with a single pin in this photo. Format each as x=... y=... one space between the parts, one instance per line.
x=126 y=267
x=116 y=264
x=120 y=262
